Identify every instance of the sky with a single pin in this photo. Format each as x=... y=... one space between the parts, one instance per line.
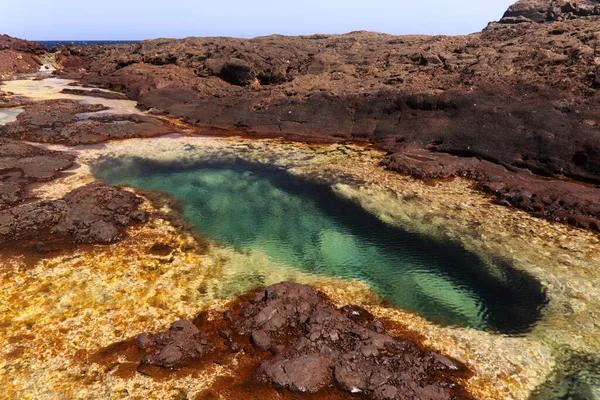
x=136 y=19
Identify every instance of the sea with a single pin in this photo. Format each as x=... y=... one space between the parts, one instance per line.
x=51 y=43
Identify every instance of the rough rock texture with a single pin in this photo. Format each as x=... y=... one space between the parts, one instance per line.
x=307 y=345
x=524 y=96
x=25 y=46
x=95 y=213
x=18 y=56
x=575 y=203
x=8 y=100
x=57 y=121
x=549 y=11
x=183 y=341
x=22 y=164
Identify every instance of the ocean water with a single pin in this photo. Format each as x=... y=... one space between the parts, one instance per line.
x=306 y=225
x=51 y=43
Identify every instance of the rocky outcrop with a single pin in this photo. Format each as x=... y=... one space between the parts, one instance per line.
x=296 y=340
x=522 y=96
x=548 y=11
x=20 y=45
x=181 y=342
x=18 y=56
x=59 y=122
x=22 y=165
x=95 y=213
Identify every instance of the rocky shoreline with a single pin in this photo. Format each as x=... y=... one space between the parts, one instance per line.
x=155 y=275
x=296 y=340
x=510 y=107
x=515 y=109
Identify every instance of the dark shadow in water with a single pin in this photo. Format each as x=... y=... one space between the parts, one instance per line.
x=576 y=377
x=508 y=300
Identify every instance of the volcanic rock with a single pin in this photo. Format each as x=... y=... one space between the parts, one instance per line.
x=94 y=213
x=520 y=95
x=183 y=341
x=548 y=11
x=22 y=164
x=314 y=345
x=58 y=121
x=18 y=56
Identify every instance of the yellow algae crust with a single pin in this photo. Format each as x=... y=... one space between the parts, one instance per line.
x=53 y=310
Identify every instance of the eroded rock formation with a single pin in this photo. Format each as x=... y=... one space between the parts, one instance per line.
x=57 y=121
x=522 y=96
x=18 y=56
x=292 y=337
x=94 y=213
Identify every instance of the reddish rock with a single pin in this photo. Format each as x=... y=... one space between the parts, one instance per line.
x=521 y=94
x=182 y=342
x=22 y=164
x=18 y=56
x=58 y=121
x=94 y=213
x=315 y=347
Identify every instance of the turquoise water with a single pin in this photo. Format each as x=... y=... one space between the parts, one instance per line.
x=305 y=225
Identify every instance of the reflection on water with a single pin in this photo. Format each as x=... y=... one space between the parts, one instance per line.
x=9 y=114
x=307 y=226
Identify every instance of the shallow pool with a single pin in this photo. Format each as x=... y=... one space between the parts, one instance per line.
x=305 y=225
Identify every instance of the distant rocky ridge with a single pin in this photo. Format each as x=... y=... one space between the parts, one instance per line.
x=549 y=11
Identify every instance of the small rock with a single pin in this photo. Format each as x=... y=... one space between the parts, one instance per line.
x=261 y=340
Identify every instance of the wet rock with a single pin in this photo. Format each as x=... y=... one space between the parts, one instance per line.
x=182 y=342
x=482 y=97
x=331 y=346
x=351 y=377
x=307 y=373
x=261 y=340
x=557 y=200
x=31 y=219
x=95 y=93
x=23 y=163
x=357 y=314
x=344 y=356
x=94 y=212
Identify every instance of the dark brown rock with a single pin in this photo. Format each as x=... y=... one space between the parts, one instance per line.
x=98 y=212
x=316 y=348
x=95 y=213
x=261 y=340
x=308 y=373
x=10 y=194
x=58 y=121
x=520 y=94
x=182 y=342
x=237 y=72
x=549 y=10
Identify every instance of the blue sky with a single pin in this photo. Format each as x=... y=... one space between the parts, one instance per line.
x=135 y=19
